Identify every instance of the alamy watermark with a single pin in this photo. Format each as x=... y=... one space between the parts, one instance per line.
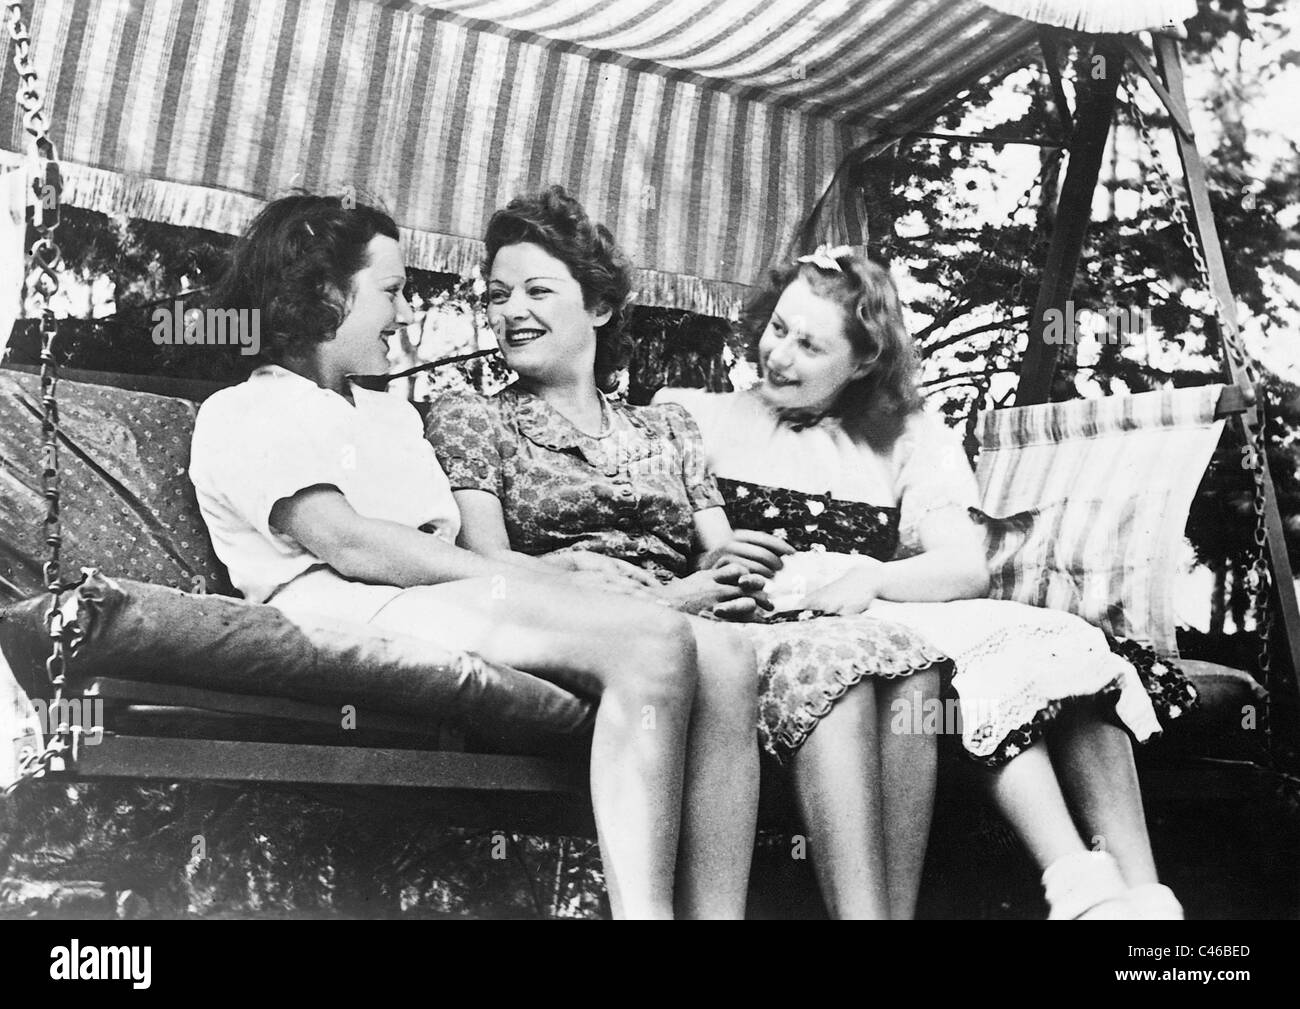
x=75 y=962
x=83 y=713
x=935 y=716
x=1116 y=326
x=215 y=327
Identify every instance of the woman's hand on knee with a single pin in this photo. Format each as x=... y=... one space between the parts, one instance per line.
x=612 y=568
x=609 y=574
x=609 y=583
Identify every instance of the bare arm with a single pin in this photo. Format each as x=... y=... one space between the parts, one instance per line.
x=951 y=566
x=726 y=591
x=757 y=552
x=722 y=568
x=483 y=530
x=376 y=550
x=712 y=531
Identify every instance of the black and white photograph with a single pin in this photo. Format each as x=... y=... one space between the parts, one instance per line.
x=657 y=459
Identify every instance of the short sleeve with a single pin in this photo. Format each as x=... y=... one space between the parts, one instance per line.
x=701 y=489
x=696 y=402
x=252 y=453
x=932 y=474
x=462 y=428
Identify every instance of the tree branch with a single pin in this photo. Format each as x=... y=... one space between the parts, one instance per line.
x=957 y=338
x=967 y=374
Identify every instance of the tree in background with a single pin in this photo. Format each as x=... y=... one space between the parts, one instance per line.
x=971 y=284
x=971 y=278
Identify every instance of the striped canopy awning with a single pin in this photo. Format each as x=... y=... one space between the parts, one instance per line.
x=702 y=131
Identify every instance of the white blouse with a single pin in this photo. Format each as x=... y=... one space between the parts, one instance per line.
x=278 y=433
x=744 y=439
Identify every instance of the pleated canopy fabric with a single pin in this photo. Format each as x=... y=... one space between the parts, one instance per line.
x=703 y=132
x=1101 y=15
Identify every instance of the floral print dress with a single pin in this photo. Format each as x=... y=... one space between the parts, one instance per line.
x=631 y=492
x=1016 y=666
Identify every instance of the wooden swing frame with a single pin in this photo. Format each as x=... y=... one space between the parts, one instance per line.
x=1092 y=122
x=549 y=795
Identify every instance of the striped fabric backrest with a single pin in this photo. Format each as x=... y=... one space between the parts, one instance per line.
x=1085 y=503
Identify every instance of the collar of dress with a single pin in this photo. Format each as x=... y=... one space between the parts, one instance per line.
x=795 y=420
x=278 y=373
x=613 y=456
x=543 y=425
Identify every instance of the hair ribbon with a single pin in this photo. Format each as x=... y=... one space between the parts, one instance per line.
x=827 y=258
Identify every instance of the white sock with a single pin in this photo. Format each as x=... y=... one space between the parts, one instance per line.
x=1155 y=902
x=1077 y=882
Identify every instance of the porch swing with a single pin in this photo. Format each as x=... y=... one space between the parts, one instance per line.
x=1084 y=501
x=1121 y=471
x=1038 y=462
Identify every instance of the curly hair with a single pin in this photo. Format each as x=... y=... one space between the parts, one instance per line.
x=558 y=223
x=874 y=407
x=295 y=263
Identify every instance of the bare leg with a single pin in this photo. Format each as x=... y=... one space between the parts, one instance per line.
x=1026 y=792
x=908 y=763
x=837 y=781
x=1094 y=762
x=636 y=658
x=721 y=812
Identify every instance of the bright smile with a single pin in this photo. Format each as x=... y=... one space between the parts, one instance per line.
x=519 y=337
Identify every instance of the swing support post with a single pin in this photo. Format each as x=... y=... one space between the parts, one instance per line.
x=1092 y=121
x=1175 y=98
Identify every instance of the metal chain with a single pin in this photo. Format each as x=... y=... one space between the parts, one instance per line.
x=44 y=262
x=1260 y=572
x=1229 y=335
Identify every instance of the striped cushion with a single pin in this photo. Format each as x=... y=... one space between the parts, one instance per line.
x=1085 y=504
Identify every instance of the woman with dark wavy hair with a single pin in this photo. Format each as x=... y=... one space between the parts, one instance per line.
x=835 y=428
x=553 y=468
x=556 y=222
x=323 y=497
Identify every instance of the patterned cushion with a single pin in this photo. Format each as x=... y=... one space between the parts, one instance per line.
x=132 y=630
x=127 y=503
x=1085 y=504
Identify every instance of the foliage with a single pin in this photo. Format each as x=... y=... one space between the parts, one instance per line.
x=970 y=281
x=972 y=285
x=234 y=851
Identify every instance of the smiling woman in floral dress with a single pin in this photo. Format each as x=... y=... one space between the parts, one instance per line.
x=553 y=468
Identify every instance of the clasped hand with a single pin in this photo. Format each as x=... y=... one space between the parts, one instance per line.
x=745 y=563
x=757 y=552
x=727 y=591
x=763 y=554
